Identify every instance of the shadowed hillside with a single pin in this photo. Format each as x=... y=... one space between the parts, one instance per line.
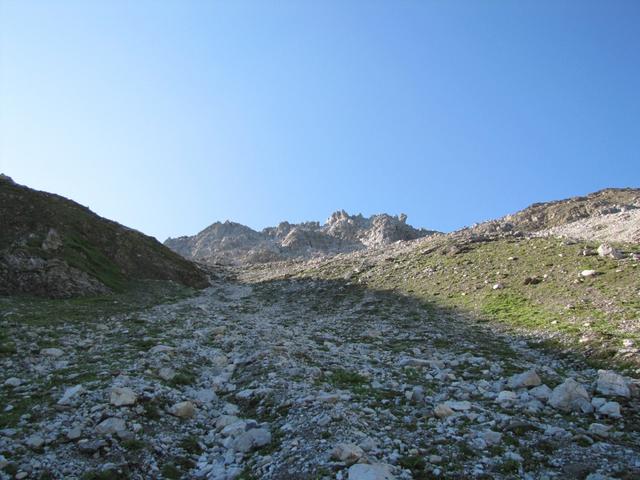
x=52 y=246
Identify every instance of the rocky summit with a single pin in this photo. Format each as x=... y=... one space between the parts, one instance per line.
x=504 y=350
x=232 y=243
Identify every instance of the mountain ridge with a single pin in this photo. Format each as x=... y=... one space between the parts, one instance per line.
x=231 y=242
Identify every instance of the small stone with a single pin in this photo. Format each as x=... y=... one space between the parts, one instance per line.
x=225 y=420
x=74 y=433
x=588 y=273
x=417 y=394
x=166 y=373
x=491 y=437
x=161 y=349
x=205 y=396
x=71 y=394
x=34 y=441
x=122 y=396
x=442 y=411
x=610 y=409
x=111 y=425
x=183 y=410
x=347 y=452
x=541 y=392
x=91 y=446
x=254 y=438
x=610 y=383
x=367 y=444
x=497 y=286
x=234 y=429
x=459 y=406
x=506 y=396
x=13 y=382
x=529 y=378
x=363 y=471
x=532 y=280
x=599 y=429
x=51 y=352
x=606 y=250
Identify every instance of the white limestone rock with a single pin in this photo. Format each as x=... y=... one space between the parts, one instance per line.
x=347 y=453
x=363 y=471
x=529 y=378
x=570 y=396
x=611 y=383
x=122 y=397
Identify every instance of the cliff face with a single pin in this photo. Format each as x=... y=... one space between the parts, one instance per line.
x=230 y=242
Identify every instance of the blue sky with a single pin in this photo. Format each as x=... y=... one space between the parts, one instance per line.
x=169 y=115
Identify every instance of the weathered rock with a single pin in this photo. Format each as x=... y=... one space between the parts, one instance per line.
x=599 y=429
x=541 y=392
x=34 y=442
x=347 y=453
x=491 y=437
x=183 y=410
x=52 y=352
x=205 y=396
x=570 y=396
x=606 y=250
x=161 y=349
x=13 y=382
x=610 y=409
x=529 y=378
x=122 y=396
x=52 y=241
x=111 y=426
x=416 y=394
x=166 y=373
x=251 y=439
x=234 y=429
x=611 y=383
x=91 y=446
x=459 y=406
x=588 y=273
x=443 y=411
x=363 y=471
x=225 y=420
x=70 y=395
x=506 y=396
x=74 y=433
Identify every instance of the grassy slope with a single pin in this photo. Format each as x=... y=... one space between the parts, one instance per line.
x=592 y=315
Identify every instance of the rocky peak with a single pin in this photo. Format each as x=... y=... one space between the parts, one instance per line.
x=234 y=243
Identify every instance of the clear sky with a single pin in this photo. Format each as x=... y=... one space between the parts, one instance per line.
x=169 y=115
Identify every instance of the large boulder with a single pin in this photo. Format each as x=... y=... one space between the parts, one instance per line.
x=570 y=396
x=611 y=383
